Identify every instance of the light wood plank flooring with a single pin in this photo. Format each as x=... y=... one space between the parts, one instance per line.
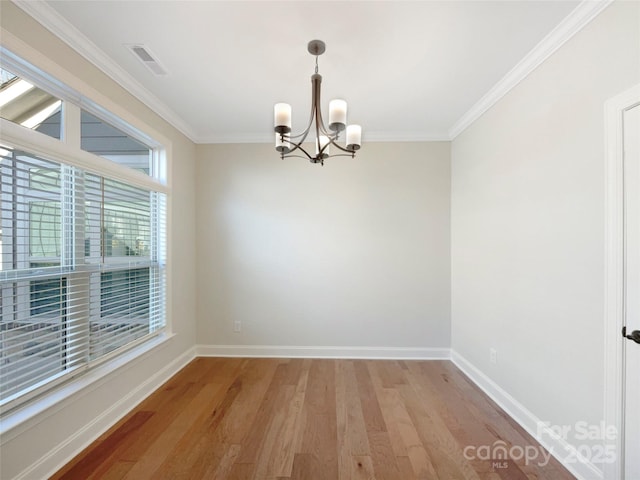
x=231 y=418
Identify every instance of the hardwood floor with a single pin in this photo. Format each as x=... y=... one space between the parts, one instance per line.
x=231 y=418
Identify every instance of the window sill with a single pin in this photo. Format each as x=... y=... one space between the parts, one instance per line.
x=14 y=423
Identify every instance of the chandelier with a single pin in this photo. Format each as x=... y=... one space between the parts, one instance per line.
x=288 y=144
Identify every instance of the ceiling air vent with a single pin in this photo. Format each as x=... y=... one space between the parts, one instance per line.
x=142 y=53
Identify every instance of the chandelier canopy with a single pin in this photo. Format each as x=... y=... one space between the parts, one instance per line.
x=287 y=144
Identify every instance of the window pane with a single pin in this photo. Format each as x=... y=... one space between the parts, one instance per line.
x=125 y=309
x=44 y=229
x=129 y=289
x=118 y=222
x=44 y=179
x=125 y=294
x=31 y=218
x=47 y=297
x=33 y=333
x=127 y=220
x=101 y=138
x=36 y=339
x=5 y=77
x=23 y=103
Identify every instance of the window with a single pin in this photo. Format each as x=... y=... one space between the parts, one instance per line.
x=23 y=103
x=102 y=138
x=61 y=307
x=82 y=276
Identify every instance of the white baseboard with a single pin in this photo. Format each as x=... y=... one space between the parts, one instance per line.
x=72 y=446
x=274 y=351
x=581 y=467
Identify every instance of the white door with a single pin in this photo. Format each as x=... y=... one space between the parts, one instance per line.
x=631 y=349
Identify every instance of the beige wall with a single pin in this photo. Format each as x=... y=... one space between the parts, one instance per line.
x=53 y=429
x=528 y=225
x=354 y=253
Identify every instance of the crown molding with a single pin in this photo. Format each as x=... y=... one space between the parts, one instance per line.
x=368 y=137
x=50 y=19
x=235 y=138
x=434 y=136
x=586 y=11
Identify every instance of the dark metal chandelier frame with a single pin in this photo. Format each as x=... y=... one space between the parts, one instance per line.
x=288 y=144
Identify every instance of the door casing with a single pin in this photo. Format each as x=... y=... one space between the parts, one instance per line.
x=614 y=269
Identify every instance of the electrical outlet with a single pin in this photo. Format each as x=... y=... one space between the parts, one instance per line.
x=493 y=356
x=237 y=326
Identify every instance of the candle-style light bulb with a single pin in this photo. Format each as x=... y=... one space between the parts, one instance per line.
x=354 y=137
x=337 y=115
x=282 y=117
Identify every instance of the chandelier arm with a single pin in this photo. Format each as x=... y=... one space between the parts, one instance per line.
x=325 y=132
x=331 y=135
x=303 y=134
x=298 y=147
x=316 y=78
x=320 y=123
x=308 y=157
x=341 y=148
x=296 y=156
x=294 y=147
x=319 y=148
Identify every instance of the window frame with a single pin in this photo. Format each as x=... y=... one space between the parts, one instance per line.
x=67 y=151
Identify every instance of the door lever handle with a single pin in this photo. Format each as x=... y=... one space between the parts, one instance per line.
x=635 y=335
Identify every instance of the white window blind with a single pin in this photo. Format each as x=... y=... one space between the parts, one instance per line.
x=82 y=274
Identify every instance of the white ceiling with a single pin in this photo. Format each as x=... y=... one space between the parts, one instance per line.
x=409 y=70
